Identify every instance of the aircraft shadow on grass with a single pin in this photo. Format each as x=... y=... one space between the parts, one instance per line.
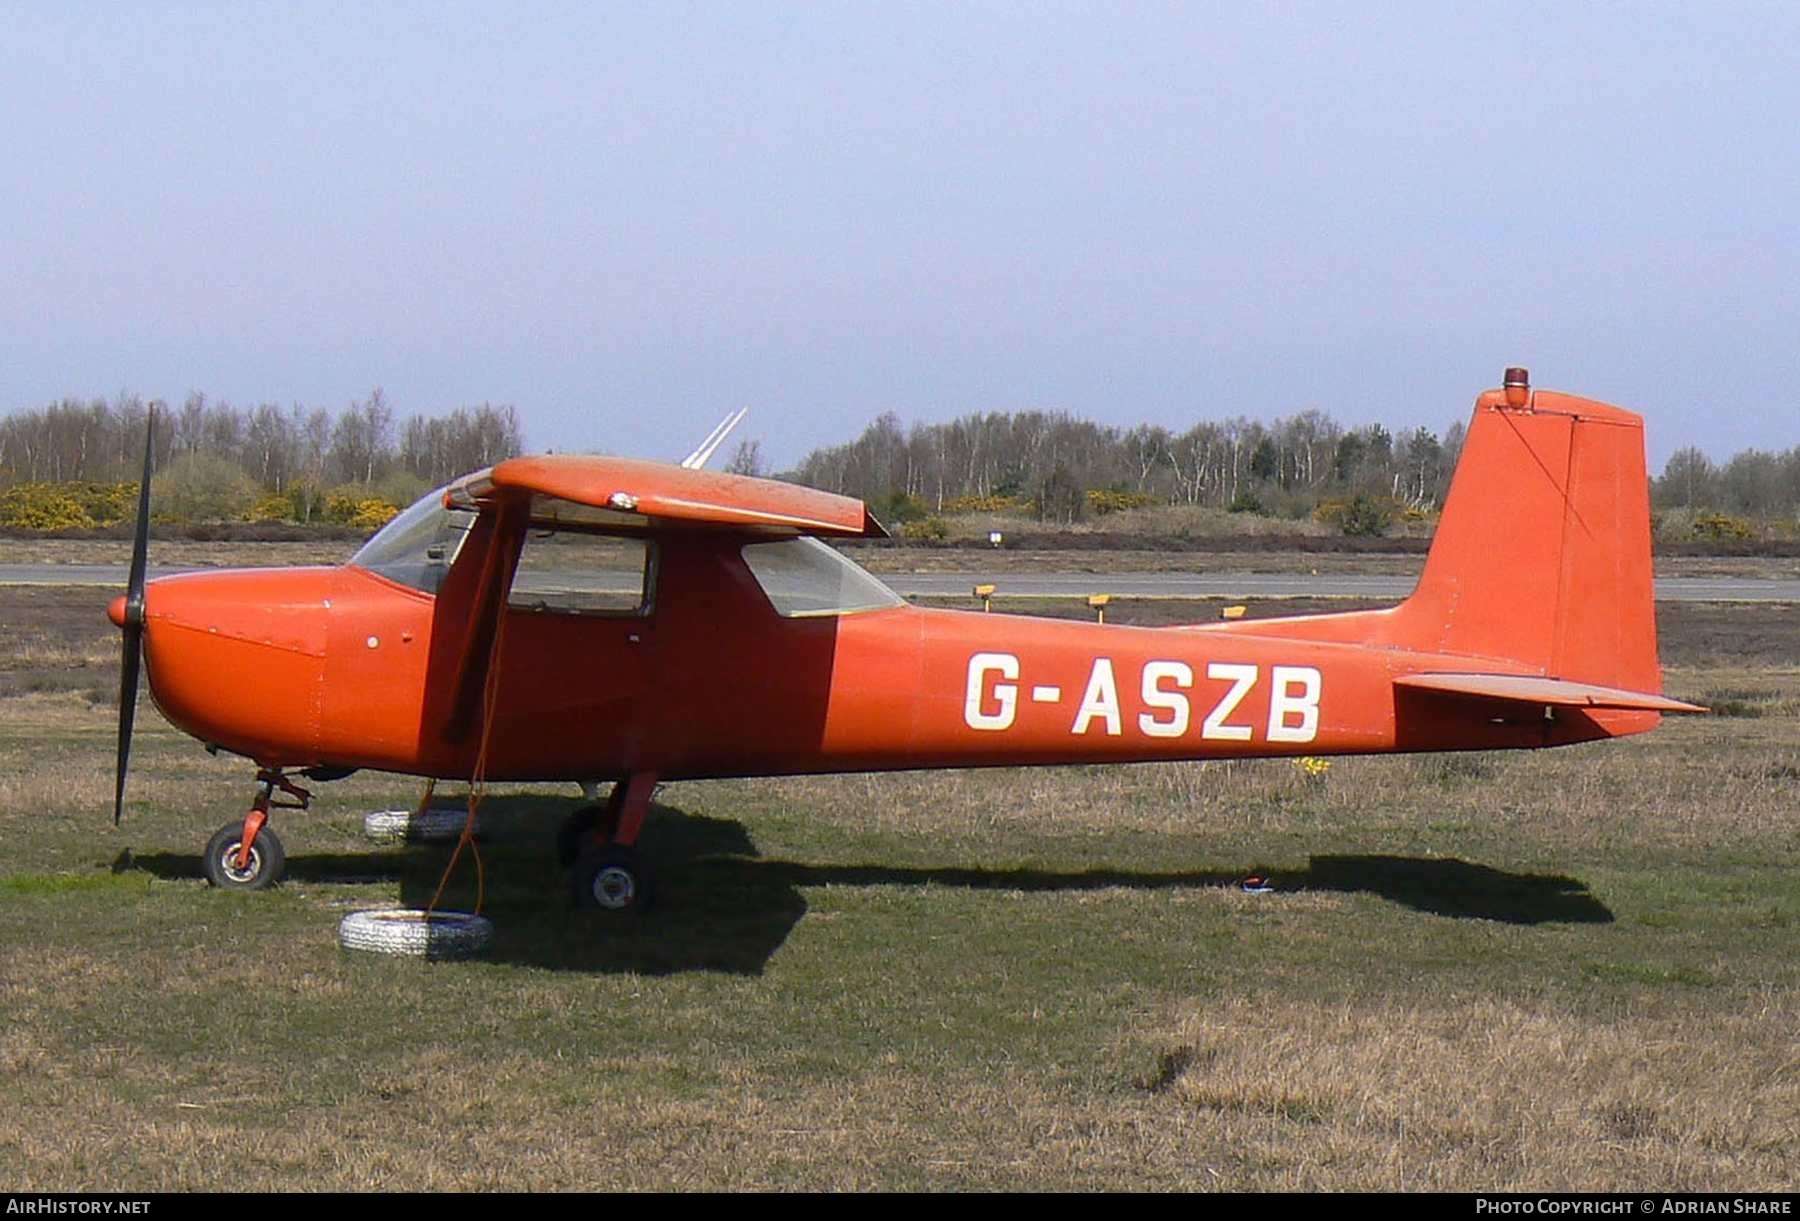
x=721 y=907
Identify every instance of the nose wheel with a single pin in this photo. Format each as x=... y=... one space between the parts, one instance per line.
x=227 y=868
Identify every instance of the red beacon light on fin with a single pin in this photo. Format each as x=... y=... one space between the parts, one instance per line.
x=1517 y=386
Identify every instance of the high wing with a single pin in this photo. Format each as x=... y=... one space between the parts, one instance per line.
x=1524 y=689
x=569 y=489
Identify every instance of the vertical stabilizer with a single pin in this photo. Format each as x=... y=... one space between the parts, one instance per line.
x=1542 y=555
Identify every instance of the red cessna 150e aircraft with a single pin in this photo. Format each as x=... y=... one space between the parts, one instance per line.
x=593 y=618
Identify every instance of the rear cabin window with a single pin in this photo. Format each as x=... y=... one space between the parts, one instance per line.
x=569 y=572
x=803 y=578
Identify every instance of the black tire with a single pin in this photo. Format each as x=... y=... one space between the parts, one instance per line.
x=267 y=860
x=579 y=831
x=611 y=879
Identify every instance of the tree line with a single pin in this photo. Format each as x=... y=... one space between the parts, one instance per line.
x=67 y=463
x=1302 y=464
x=219 y=461
x=1755 y=483
x=1034 y=459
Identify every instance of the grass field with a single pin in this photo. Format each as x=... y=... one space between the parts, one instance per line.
x=1566 y=970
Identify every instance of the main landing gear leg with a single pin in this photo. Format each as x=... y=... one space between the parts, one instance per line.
x=247 y=855
x=593 y=824
x=608 y=874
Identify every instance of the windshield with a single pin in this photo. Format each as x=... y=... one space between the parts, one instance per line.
x=802 y=577
x=418 y=547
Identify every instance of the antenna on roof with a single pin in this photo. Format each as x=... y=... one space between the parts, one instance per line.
x=704 y=451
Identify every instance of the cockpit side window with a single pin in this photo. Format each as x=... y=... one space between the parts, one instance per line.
x=417 y=548
x=803 y=578
x=578 y=572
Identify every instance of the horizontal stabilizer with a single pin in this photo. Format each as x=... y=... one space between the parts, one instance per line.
x=1524 y=689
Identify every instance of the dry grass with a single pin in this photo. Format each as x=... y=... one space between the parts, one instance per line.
x=1488 y=1095
x=56 y=639
x=1744 y=692
x=1742 y=775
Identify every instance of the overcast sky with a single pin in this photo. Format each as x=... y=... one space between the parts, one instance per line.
x=629 y=220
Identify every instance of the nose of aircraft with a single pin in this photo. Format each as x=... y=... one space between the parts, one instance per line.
x=236 y=658
x=116 y=611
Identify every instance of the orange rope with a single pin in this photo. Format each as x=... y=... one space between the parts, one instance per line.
x=477 y=782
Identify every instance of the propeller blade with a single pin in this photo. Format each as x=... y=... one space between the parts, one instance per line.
x=132 y=654
x=128 y=685
x=140 y=545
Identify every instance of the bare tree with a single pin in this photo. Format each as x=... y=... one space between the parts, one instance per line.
x=746 y=459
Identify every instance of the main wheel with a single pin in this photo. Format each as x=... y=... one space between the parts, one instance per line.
x=267 y=860
x=611 y=879
x=580 y=828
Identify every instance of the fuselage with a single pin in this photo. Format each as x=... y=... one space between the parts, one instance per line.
x=344 y=668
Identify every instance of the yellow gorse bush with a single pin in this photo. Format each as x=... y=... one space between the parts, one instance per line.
x=929 y=529
x=982 y=504
x=1723 y=526
x=372 y=513
x=1106 y=500
x=66 y=506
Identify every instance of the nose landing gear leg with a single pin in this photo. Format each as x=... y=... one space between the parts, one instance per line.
x=247 y=855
